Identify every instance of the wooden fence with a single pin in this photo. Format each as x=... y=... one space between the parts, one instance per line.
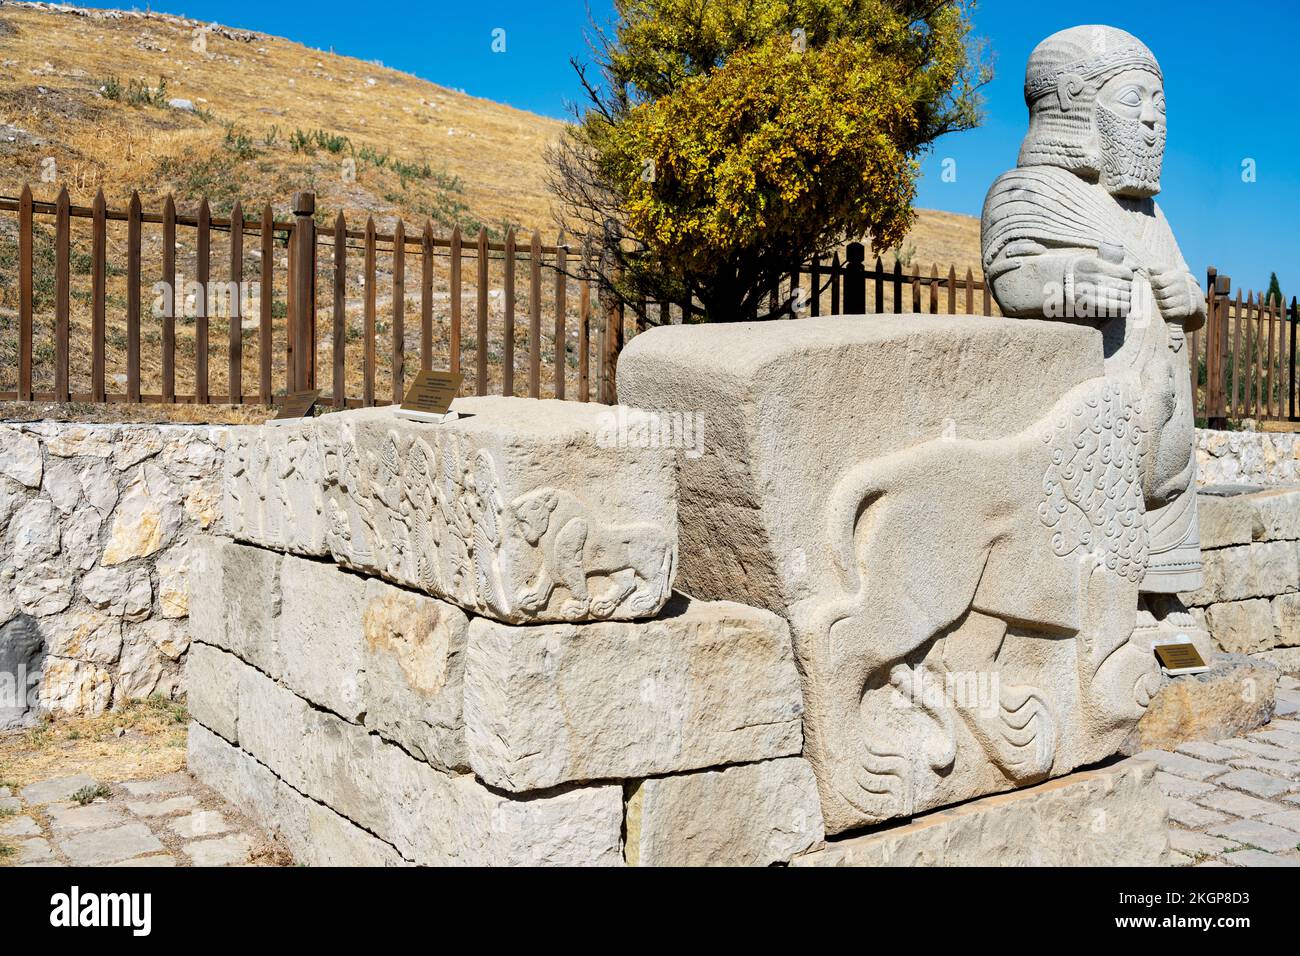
x=363 y=359
x=503 y=297
x=1245 y=357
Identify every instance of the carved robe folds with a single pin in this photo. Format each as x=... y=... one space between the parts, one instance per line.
x=950 y=512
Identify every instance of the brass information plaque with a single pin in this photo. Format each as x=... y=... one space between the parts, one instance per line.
x=297 y=405
x=1177 y=657
x=432 y=393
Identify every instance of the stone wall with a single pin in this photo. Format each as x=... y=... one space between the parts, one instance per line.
x=1250 y=601
x=1255 y=458
x=96 y=524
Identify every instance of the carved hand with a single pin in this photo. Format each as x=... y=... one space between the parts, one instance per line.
x=1102 y=287
x=1173 y=291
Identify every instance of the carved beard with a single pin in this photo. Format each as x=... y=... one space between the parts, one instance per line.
x=1129 y=166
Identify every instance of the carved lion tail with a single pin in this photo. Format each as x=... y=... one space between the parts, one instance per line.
x=859 y=487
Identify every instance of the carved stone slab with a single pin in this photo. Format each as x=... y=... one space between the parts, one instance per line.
x=519 y=510
x=948 y=511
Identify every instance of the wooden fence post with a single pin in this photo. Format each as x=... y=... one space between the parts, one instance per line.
x=1294 y=315
x=98 y=295
x=25 y=295
x=561 y=304
x=855 y=280
x=169 y=316
x=398 y=328
x=62 y=301
x=134 y=218
x=304 y=283
x=236 y=307
x=481 y=316
x=202 y=268
x=340 y=383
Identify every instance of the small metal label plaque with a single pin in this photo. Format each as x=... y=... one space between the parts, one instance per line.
x=432 y=393
x=297 y=405
x=1179 y=657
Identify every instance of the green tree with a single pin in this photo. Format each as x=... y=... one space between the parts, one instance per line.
x=1274 y=294
x=727 y=140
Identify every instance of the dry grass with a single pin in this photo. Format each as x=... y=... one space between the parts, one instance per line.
x=144 y=739
x=466 y=160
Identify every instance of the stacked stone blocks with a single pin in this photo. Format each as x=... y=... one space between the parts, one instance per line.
x=373 y=714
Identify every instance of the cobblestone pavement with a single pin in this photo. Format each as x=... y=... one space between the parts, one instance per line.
x=168 y=821
x=1236 y=802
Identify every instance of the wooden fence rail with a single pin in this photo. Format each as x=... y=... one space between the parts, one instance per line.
x=306 y=284
x=1243 y=361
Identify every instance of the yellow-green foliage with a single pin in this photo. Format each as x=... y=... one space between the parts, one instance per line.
x=738 y=137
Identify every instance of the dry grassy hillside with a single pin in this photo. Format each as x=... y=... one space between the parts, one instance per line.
x=252 y=95
x=91 y=99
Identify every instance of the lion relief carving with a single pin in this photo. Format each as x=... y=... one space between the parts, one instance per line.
x=636 y=560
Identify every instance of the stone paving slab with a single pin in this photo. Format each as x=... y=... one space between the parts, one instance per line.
x=72 y=816
x=1257 y=833
x=56 y=789
x=98 y=847
x=162 y=808
x=225 y=851
x=1237 y=804
x=1255 y=783
x=1260 y=858
x=167 y=821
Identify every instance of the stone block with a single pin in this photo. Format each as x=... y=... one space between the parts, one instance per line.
x=922 y=498
x=749 y=815
x=212 y=689
x=519 y=510
x=1285 y=659
x=272 y=724
x=412 y=685
x=362 y=648
x=1286 y=621
x=1233 y=697
x=1114 y=816
x=556 y=703
x=1276 y=513
x=437 y=819
x=1224 y=521
x=1262 y=569
x=1241 y=627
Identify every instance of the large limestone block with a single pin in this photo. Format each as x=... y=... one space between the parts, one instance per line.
x=1286 y=620
x=235 y=600
x=520 y=510
x=703 y=684
x=212 y=689
x=777 y=401
x=1262 y=569
x=948 y=511
x=1276 y=513
x=751 y=815
x=1241 y=627
x=1115 y=816
x=430 y=817
x=1285 y=659
x=1224 y=520
x=1233 y=697
x=315 y=835
x=440 y=819
x=367 y=650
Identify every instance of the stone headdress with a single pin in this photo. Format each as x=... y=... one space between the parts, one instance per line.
x=1064 y=75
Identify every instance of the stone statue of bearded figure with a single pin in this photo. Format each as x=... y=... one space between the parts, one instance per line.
x=1073 y=233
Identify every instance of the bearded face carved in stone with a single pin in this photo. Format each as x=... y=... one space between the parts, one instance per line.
x=1130 y=121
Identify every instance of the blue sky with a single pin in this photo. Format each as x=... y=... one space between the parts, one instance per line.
x=1229 y=84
